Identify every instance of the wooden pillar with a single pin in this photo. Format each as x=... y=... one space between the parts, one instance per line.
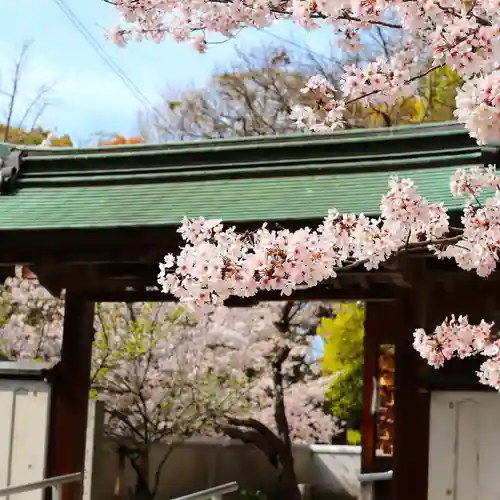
x=374 y=328
x=412 y=404
x=381 y=328
x=370 y=370
x=70 y=394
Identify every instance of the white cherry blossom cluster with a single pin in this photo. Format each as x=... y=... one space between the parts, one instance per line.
x=456 y=337
x=478 y=106
x=480 y=240
x=217 y=263
x=327 y=112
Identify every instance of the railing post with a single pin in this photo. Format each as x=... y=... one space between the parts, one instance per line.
x=56 y=492
x=366 y=491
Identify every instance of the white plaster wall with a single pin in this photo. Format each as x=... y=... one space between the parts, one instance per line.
x=464 y=449
x=24 y=419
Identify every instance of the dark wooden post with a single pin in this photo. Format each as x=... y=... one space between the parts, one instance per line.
x=370 y=369
x=70 y=395
x=411 y=403
x=381 y=328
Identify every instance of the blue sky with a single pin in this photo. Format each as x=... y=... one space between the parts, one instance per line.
x=87 y=96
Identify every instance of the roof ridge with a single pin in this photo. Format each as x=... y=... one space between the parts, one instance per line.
x=281 y=140
x=234 y=170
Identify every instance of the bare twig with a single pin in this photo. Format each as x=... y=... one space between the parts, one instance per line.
x=16 y=79
x=36 y=106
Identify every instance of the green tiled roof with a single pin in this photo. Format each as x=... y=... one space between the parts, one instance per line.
x=295 y=177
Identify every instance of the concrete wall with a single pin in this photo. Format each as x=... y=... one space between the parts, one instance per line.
x=335 y=469
x=193 y=465
x=200 y=464
x=23 y=433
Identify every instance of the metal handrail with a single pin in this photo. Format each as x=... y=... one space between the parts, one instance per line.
x=370 y=477
x=212 y=493
x=51 y=482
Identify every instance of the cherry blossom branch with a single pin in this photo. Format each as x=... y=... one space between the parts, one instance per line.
x=410 y=80
x=407 y=247
x=452 y=12
x=283 y=260
x=113 y=412
x=315 y=14
x=383 y=24
x=457 y=338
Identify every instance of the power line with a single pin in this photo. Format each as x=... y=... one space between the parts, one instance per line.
x=101 y=52
x=118 y=71
x=105 y=57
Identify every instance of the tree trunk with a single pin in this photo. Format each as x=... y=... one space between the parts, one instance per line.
x=140 y=464
x=141 y=490
x=253 y=432
x=287 y=487
x=287 y=480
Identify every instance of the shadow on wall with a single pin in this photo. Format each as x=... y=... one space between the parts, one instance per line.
x=329 y=471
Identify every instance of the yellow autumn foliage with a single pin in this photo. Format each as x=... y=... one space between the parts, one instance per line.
x=434 y=102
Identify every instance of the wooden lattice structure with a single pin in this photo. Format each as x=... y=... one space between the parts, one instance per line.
x=96 y=222
x=386 y=392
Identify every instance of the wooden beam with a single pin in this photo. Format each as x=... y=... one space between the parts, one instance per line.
x=147 y=271
x=51 y=285
x=7 y=272
x=70 y=393
x=107 y=245
x=380 y=292
x=138 y=281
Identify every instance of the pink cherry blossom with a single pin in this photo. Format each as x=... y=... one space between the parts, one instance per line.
x=463 y=35
x=456 y=337
x=216 y=263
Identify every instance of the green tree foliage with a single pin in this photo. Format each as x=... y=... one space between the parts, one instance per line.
x=343 y=356
x=32 y=137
